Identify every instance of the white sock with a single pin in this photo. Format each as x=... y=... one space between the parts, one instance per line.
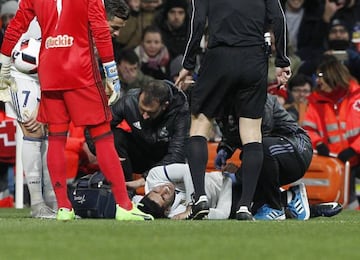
x=49 y=194
x=31 y=159
x=289 y=196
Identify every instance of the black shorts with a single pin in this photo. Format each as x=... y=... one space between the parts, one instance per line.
x=231 y=74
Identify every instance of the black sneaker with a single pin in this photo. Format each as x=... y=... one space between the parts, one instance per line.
x=244 y=214
x=199 y=210
x=325 y=209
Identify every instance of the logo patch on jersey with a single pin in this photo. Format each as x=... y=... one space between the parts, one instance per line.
x=60 y=41
x=356 y=105
x=137 y=125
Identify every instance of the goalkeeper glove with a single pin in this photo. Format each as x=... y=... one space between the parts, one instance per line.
x=112 y=81
x=220 y=159
x=6 y=81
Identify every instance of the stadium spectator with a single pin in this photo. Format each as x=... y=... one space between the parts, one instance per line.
x=338 y=44
x=173 y=23
x=349 y=12
x=128 y=65
x=236 y=37
x=153 y=54
x=332 y=118
x=142 y=13
x=8 y=10
x=66 y=96
x=300 y=87
x=307 y=23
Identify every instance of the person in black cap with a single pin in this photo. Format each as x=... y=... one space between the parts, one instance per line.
x=338 y=44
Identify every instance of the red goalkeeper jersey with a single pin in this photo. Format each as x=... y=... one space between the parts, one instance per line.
x=69 y=30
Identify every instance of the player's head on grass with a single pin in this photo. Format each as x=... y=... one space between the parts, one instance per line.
x=158 y=200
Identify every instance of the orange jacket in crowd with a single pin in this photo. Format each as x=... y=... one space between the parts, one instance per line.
x=337 y=125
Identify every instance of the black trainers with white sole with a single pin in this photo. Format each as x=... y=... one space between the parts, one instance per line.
x=199 y=210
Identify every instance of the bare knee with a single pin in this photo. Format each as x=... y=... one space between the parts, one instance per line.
x=250 y=130
x=200 y=125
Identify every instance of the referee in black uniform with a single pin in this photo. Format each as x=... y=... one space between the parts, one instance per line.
x=234 y=69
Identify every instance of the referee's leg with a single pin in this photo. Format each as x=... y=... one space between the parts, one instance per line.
x=250 y=134
x=197 y=155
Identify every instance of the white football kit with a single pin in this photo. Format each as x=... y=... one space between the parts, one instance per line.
x=25 y=101
x=218 y=188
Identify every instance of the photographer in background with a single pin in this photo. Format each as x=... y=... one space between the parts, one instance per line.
x=339 y=44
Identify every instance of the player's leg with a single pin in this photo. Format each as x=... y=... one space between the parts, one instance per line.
x=110 y=165
x=24 y=106
x=54 y=112
x=32 y=164
x=48 y=190
x=96 y=117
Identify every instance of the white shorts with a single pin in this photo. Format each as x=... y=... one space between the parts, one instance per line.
x=25 y=101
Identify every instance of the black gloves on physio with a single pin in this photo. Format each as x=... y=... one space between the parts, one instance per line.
x=322 y=149
x=346 y=154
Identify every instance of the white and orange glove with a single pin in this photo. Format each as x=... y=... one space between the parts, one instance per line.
x=112 y=81
x=7 y=82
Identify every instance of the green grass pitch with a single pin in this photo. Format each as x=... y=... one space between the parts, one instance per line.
x=321 y=238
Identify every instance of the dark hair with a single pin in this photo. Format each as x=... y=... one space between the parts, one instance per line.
x=335 y=73
x=118 y=8
x=149 y=206
x=156 y=90
x=150 y=29
x=300 y=80
x=129 y=56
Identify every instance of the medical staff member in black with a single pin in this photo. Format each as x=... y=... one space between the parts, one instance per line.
x=234 y=69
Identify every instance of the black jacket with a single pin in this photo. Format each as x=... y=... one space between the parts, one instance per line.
x=175 y=40
x=276 y=121
x=167 y=134
x=235 y=23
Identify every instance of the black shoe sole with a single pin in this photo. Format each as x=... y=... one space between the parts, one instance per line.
x=199 y=215
x=244 y=216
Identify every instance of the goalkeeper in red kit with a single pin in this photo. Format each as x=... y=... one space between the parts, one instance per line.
x=71 y=88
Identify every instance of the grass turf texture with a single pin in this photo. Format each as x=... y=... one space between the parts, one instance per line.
x=321 y=238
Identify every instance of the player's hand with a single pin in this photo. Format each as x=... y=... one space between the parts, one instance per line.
x=180 y=81
x=230 y=167
x=32 y=125
x=182 y=215
x=5 y=95
x=220 y=159
x=112 y=81
x=6 y=81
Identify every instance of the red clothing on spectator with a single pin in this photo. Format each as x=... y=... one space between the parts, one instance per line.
x=336 y=124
